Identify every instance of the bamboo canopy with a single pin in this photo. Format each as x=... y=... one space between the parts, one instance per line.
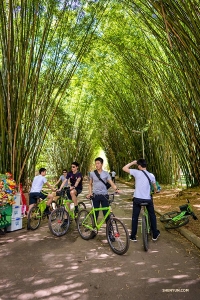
x=79 y=76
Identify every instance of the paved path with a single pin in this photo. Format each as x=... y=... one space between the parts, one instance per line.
x=37 y=265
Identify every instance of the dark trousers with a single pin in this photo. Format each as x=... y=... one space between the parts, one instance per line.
x=136 y=212
x=103 y=201
x=113 y=179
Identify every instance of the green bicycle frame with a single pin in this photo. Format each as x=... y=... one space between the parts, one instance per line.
x=42 y=205
x=70 y=212
x=146 y=214
x=179 y=216
x=92 y=212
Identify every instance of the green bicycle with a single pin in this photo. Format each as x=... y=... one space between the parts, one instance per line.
x=146 y=226
x=175 y=219
x=116 y=232
x=61 y=217
x=37 y=213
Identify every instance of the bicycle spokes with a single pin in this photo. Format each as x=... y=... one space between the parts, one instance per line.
x=117 y=236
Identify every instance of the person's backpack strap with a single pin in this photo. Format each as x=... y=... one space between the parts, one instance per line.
x=148 y=179
x=98 y=175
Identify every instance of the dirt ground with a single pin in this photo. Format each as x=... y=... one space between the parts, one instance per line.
x=171 y=199
x=37 y=265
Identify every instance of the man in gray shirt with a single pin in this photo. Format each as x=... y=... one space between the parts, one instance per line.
x=98 y=189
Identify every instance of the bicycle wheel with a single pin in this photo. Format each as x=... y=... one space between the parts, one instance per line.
x=177 y=223
x=169 y=215
x=84 y=221
x=59 y=221
x=144 y=233
x=117 y=236
x=81 y=205
x=34 y=218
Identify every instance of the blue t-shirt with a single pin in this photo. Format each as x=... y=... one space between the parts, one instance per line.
x=99 y=187
x=142 y=185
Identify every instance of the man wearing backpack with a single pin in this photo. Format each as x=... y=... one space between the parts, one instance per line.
x=142 y=194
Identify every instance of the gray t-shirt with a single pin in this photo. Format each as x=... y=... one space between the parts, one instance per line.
x=62 y=177
x=99 y=187
x=142 y=185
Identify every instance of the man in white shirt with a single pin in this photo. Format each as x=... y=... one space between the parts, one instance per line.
x=113 y=174
x=36 y=188
x=142 y=194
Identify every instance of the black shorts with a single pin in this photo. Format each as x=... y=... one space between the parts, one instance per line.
x=78 y=191
x=34 y=196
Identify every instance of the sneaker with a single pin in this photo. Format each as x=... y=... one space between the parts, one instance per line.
x=133 y=239
x=154 y=238
x=64 y=224
x=76 y=212
x=47 y=211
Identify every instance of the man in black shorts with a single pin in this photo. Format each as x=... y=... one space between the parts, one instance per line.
x=36 y=188
x=75 y=178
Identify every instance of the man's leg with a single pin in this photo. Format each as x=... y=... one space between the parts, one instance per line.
x=152 y=216
x=32 y=200
x=135 y=215
x=29 y=208
x=104 y=203
x=96 y=203
x=50 y=199
x=73 y=194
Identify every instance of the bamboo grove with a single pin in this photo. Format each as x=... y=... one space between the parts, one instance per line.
x=79 y=76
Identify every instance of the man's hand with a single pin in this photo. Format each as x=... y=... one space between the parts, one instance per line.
x=89 y=196
x=118 y=191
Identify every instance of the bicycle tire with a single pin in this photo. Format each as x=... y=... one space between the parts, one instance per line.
x=34 y=218
x=175 y=224
x=59 y=221
x=117 y=236
x=85 y=219
x=145 y=233
x=169 y=215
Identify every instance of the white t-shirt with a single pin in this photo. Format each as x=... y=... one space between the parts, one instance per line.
x=142 y=185
x=38 y=183
x=113 y=173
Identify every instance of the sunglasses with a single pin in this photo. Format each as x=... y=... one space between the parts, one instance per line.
x=64 y=172
x=73 y=166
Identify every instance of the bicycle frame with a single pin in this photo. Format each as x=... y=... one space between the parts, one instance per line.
x=179 y=216
x=42 y=205
x=92 y=212
x=145 y=213
x=67 y=207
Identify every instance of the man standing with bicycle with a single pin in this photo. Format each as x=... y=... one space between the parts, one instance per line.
x=142 y=194
x=97 y=186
